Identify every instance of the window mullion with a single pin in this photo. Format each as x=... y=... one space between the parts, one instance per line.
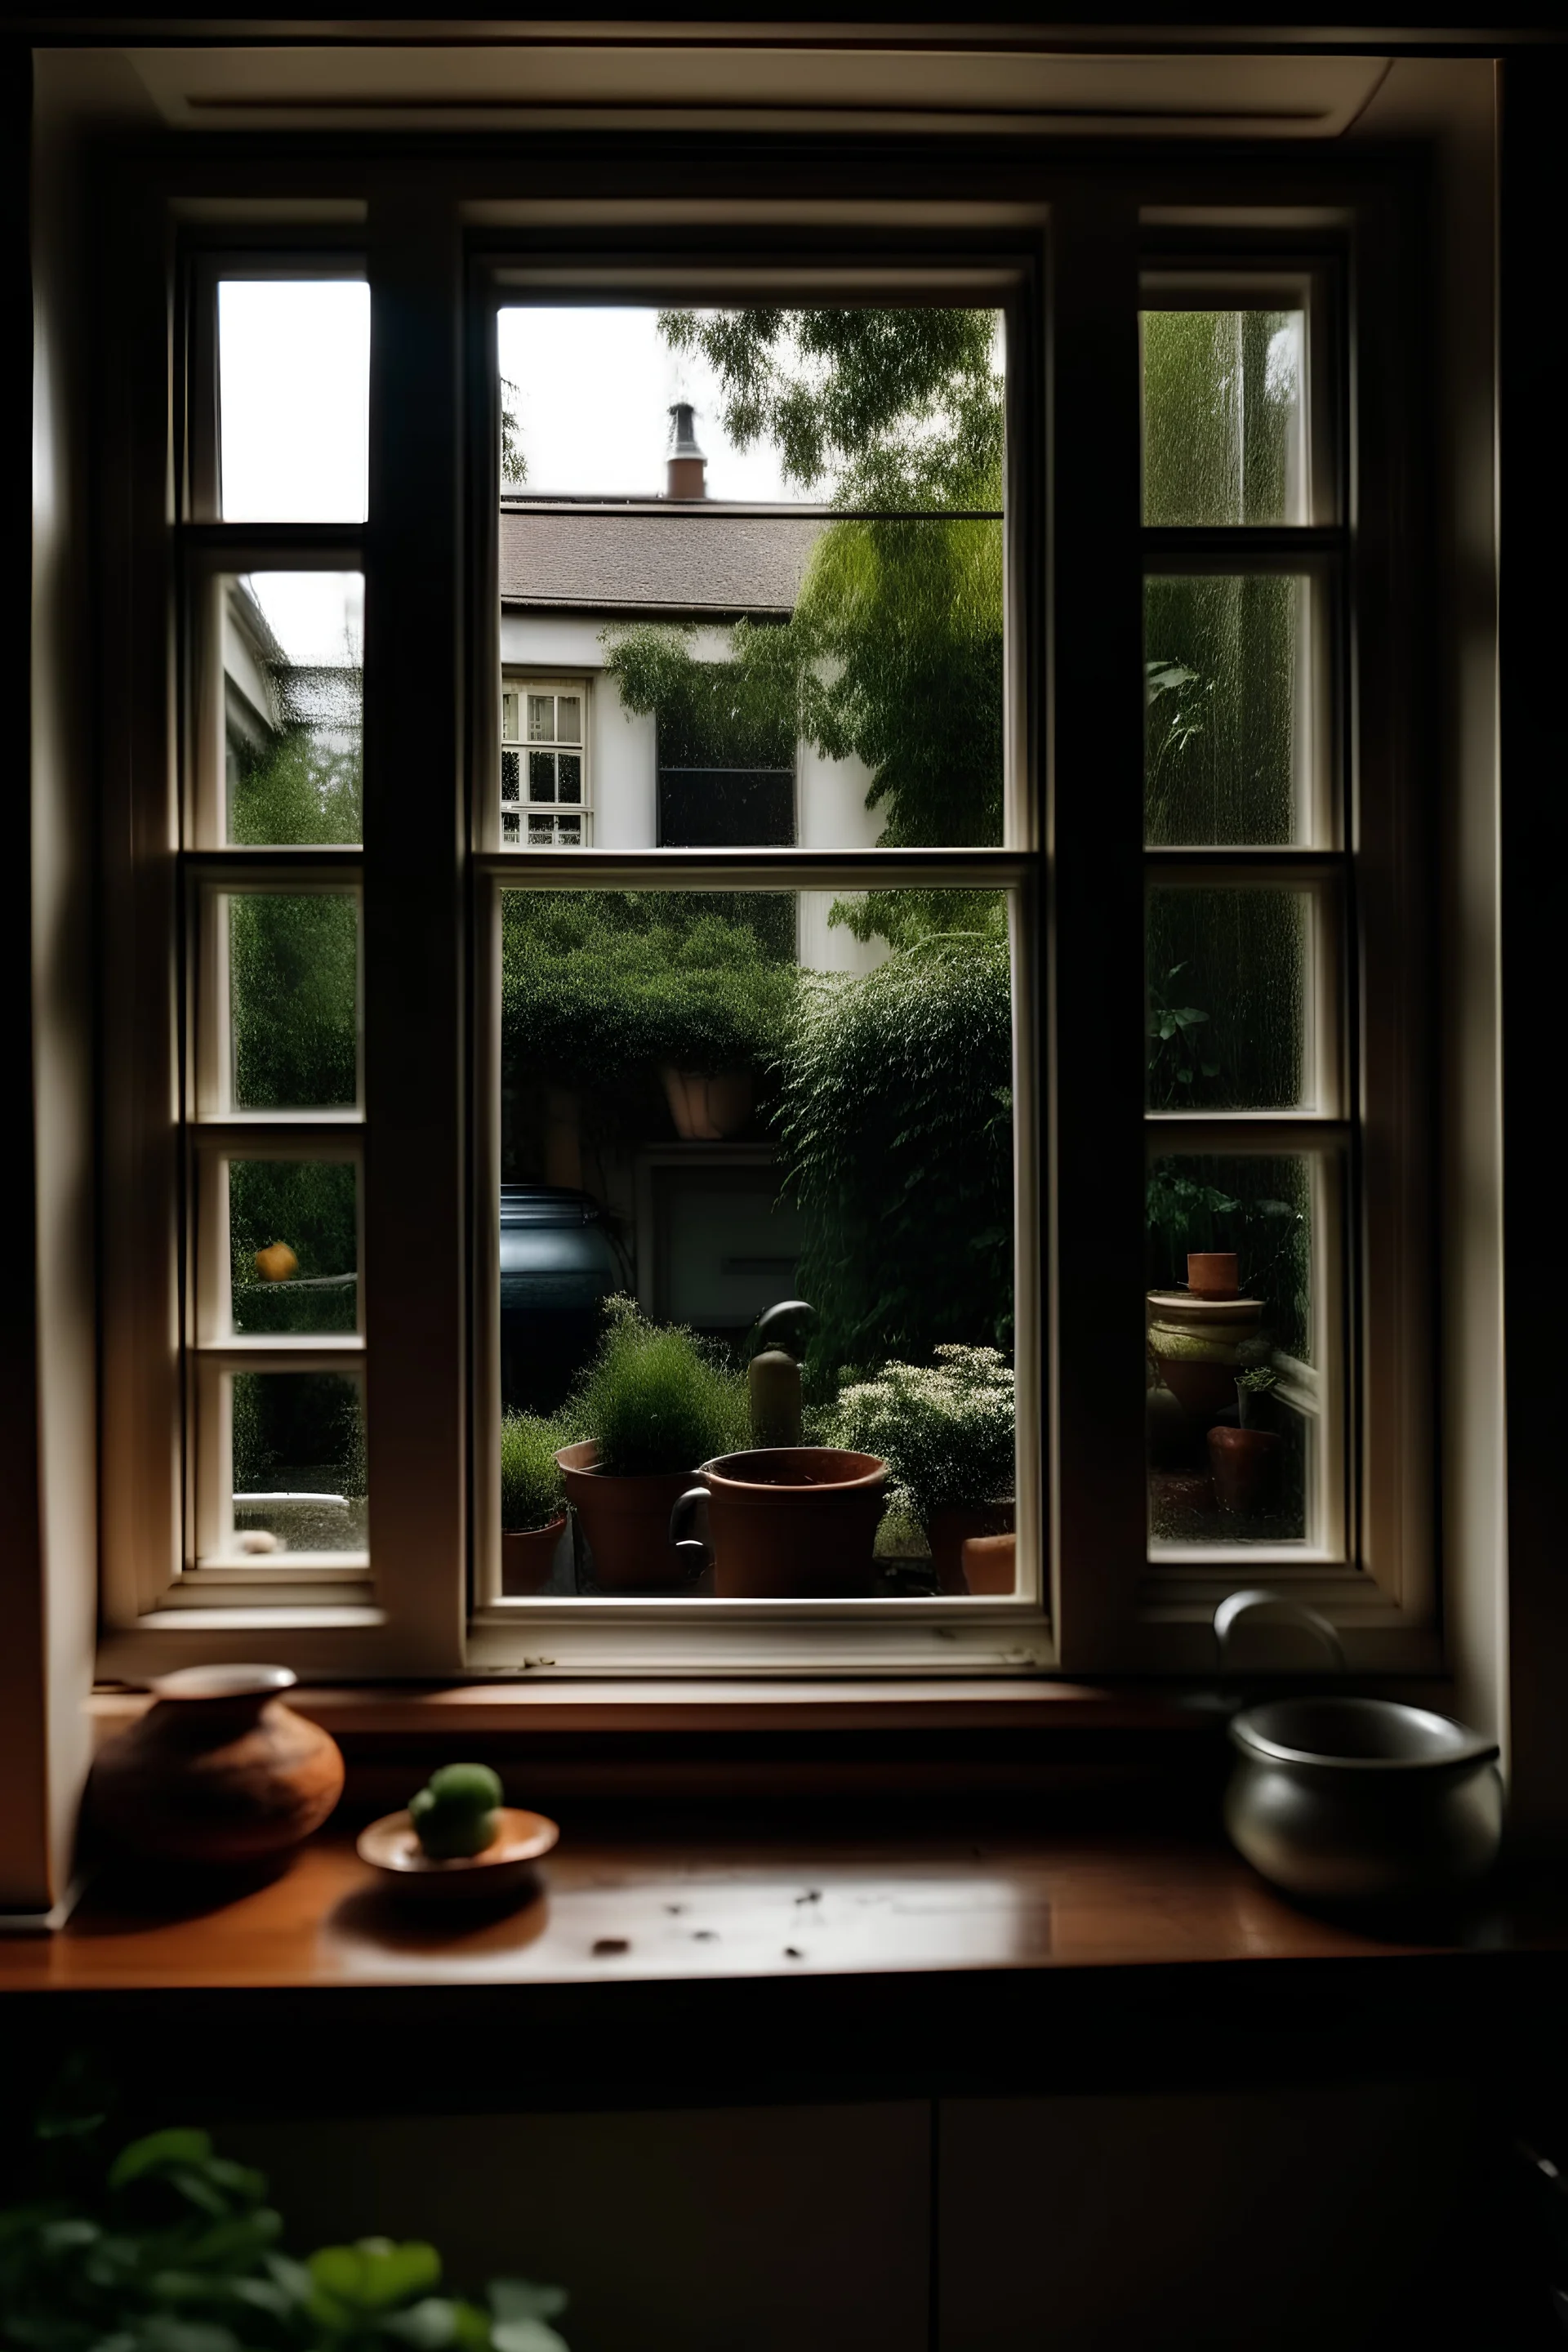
x=415 y=1226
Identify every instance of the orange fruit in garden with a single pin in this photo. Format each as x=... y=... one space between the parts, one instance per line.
x=276 y=1261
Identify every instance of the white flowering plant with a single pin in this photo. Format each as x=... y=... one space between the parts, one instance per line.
x=946 y=1430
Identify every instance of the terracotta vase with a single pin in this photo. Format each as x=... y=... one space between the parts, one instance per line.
x=1213 y=1273
x=950 y=1530
x=527 y=1557
x=624 y=1521
x=218 y=1770
x=706 y=1111
x=790 y=1522
x=1196 y=1345
x=1246 y=1466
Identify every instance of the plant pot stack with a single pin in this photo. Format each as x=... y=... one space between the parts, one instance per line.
x=1197 y=1338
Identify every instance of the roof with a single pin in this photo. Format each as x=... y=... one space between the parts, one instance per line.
x=648 y=556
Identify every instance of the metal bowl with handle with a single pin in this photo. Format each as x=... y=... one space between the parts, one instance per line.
x=1355 y=1799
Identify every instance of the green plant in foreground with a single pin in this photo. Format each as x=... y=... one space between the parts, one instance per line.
x=531 y=1492
x=173 y=2247
x=947 y=1431
x=456 y=1812
x=655 y=1399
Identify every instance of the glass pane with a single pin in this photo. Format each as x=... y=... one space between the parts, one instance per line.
x=712 y=1101
x=1224 y=417
x=509 y=831
x=1228 y=999
x=509 y=717
x=541 y=828
x=542 y=775
x=511 y=775
x=293 y=975
x=293 y=1238
x=569 y=832
x=293 y=706
x=853 y=658
x=1229 y=741
x=294 y=399
x=1235 y=1401
x=297 y=1463
x=569 y=770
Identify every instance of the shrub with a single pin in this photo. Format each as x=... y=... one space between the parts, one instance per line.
x=530 y=1487
x=655 y=1398
x=947 y=1432
x=894 y=1120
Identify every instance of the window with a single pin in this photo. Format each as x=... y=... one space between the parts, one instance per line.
x=981 y=894
x=543 y=766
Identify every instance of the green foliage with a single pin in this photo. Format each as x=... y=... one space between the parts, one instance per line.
x=173 y=2247
x=1259 y=1381
x=1176 y=1046
x=588 y=995
x=513 y=463
x=895 y=1128
x=293 y=999
x=298 y=1421
x=946 y=1431
x=655 y=1399
x=299 y=789
x=892 y=407
x=531 y=1493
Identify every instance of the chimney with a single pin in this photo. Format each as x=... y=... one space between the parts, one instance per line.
x=685 y=474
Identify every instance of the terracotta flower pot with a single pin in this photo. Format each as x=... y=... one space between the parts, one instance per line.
x=1213 y=1273
x=1246 y=1466
x=217 y=1770
x=1196 y=1344
x=990 y=1563
x=527 y=1557
x=950 y=1530
x=625 y=1521
x=789 y=1522
x=706 y=1109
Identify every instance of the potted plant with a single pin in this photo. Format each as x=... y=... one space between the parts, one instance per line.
x=948 y=1432
x=785 y=1522
x=658 y=1403
x=532 y=1499
x=1245 y=1461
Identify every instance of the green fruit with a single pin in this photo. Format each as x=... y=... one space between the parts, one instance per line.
x=466 y=1787
x=446 y=1836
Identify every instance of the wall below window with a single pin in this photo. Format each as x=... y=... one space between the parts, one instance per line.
x=1297 y=2218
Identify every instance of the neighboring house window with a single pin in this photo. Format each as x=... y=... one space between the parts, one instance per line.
x=718 y=786
x=544 y=797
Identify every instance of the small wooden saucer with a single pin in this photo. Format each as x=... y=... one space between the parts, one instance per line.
x=507 y=1867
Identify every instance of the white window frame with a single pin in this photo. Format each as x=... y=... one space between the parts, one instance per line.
x=524 y=810
x=436 y=238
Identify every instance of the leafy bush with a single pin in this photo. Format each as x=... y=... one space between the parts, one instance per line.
x=655 y=1398
x=531 y=1489
x=311 y=1205
x=588 y=997
x=894 y=1120
x=947 y=1432
x=175 y=2248
x=293 y=999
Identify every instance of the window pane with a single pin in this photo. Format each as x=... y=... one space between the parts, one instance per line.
x=293 y=708
x=1224 y=417
x=294 y=399
x=715 y=1101
x=511 y=775
x=508 y=718
x=569 y=773
x=1230 y=747
x=1228 y=1000
x=542 y=775
x=293 y=1237
x=1234 y=1246
x=293 y=999
x=297 y=1461
x=827 y=680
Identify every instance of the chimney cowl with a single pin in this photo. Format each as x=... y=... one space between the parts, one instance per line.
x=686 y=473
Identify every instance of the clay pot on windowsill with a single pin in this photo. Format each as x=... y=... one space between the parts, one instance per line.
x=950 y=1530
x=624 y=1521
x=528 y=1556
x=1246 y=1466
x=784 y=1523
x=218 y=1771
x=706 y=1109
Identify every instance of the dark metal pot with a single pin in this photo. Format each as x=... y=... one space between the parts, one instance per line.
x=557 y=1262
x=1357 y=1800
